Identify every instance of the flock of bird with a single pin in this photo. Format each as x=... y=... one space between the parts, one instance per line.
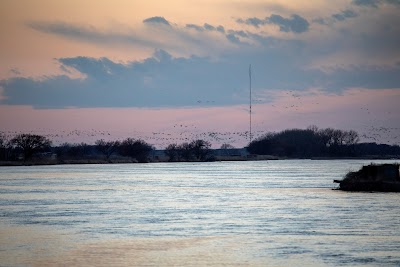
x=377 y=134
x=182 y=132
x=178 y=134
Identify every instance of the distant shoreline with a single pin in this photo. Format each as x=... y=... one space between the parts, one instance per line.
x=40 y=162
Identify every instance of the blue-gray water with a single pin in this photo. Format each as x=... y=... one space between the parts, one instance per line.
x=266 y=213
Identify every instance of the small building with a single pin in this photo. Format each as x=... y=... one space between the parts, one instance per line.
x=46 y=155
x=231 y=152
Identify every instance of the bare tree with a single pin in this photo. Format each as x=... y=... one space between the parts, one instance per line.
x=4 y=147
x=172 y=151
x=201 y=149
x=137 y=149
x=186 y=151
x=107 y=148
x=351 y=137
x=30 y=144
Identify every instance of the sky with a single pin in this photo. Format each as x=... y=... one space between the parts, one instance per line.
x=173 y=71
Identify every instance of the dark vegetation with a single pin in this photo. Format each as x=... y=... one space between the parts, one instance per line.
x=23 y=146
x=292 y=143
x=30 y=144
x=197 y=150
x=36 y=149
x=314 y=143
x=137 y=149
x=129 y=150
x=374 y=177
x=32 y=149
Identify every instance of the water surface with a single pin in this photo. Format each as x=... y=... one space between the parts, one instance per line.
x=265 y=213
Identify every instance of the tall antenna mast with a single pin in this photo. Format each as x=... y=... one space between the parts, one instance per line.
x=250 y=100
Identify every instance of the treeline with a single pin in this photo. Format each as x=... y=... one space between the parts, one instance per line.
x=374 y=149
x=197 y=150
x=293 y=143
x=315 y=142
x=31 y=147
x=26 y=147
x=137 y=150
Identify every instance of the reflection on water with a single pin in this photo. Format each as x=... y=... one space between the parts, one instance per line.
x=270 y=213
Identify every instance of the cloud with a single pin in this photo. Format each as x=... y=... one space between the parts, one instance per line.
x=157 y=20
x=195 y=38
x=89 y=34
x=235 y=36
x=370 y=77
x=239 y=33
x=209 y=27
x=375 y=3
x=15 y=71
x=256 y=22
x=341 y=16
x=162 y=34
x=206 y=27
x=393 y=2
x=370 y=3
x=160 y=80
x=362 y=53
x=295 y=23
x=232 y=37
x=98 y=69
x=322 y=21
x=344 y=15
x=194 y=26
x=163 y=80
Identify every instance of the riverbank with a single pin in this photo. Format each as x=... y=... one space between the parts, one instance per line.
x=123 y=160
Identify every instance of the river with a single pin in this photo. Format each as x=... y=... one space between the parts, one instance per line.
x=255 y=213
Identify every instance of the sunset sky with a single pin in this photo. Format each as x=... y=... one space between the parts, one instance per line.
x=172 y=71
